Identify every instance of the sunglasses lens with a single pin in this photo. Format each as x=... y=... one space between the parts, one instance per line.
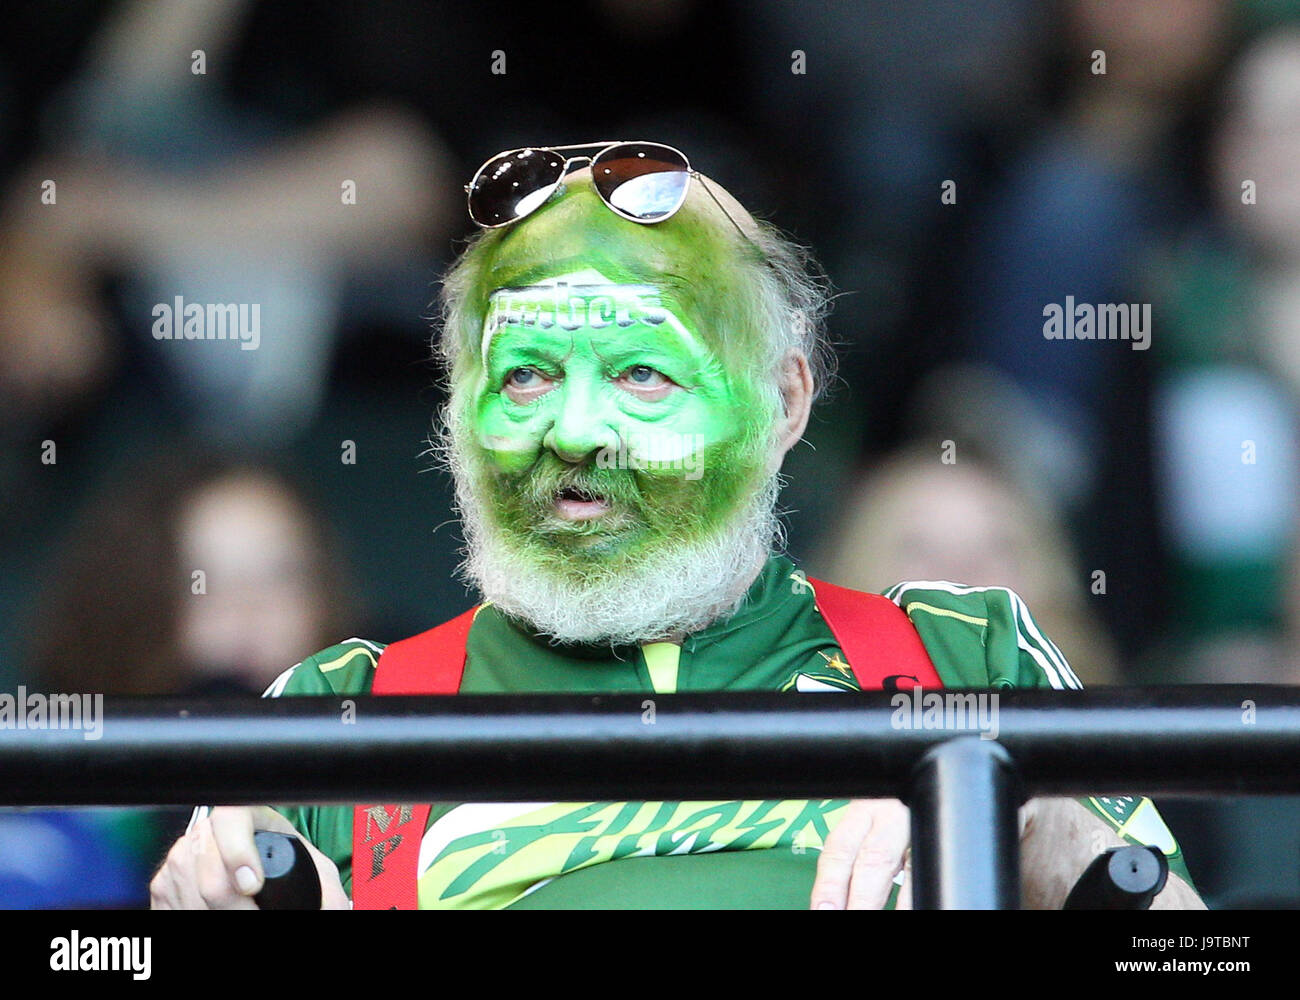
x=643 y=180
x=513 y=184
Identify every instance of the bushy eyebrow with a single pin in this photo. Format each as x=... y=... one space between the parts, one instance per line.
x=669 y=339
x=634 y=355
x=526 y=346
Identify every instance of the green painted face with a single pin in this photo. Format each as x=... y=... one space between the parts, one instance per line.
x=604 y=414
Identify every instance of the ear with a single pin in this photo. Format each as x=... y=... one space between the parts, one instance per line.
x=796 y=385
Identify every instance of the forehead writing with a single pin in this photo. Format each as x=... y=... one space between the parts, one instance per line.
x=573 y=306
x=578 y=301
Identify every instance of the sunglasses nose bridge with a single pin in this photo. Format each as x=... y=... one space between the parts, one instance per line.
x=570 y=163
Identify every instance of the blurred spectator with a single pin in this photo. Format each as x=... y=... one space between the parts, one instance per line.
x=158 y=176
x=194 y=574
x=1115 y=173
x=867 y=114
x=1075 y=215
x=1226 y=422
x=915 y=517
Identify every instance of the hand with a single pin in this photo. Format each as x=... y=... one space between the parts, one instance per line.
x=862 y=855
x=215 y=866
x=1058 y=841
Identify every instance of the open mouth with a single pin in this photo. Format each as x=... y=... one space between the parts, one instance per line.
x=574 y=504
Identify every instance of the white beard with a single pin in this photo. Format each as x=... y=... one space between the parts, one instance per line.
x=675 y=588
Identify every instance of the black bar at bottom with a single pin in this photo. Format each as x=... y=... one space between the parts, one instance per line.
x=965 y=828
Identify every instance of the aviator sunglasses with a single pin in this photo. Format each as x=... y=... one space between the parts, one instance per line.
x=643 y=182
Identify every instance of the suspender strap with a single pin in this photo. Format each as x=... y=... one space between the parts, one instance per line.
x=386 y=838
x=429 y=663
x=875 y=634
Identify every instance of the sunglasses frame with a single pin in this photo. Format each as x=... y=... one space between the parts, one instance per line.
x=591 y=161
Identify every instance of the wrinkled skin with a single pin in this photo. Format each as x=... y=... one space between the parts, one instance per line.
x=555 y=408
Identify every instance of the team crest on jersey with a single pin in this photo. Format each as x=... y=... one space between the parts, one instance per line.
x=828 y=671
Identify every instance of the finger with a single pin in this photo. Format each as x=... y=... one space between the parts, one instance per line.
x=215 y=881
x=835 y=865
x=163 y=889
x=880 y=857
x=1028 y=814
x=232 y=830
x=904 y=901
x=185 y=867
x=176 y=884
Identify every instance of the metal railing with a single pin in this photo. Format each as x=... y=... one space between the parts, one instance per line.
x=963 y=790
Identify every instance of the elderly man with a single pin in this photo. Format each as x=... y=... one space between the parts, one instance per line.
x=631 y=355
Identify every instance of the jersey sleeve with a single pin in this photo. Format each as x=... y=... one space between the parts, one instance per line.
x=343 y=669
x=980 y=637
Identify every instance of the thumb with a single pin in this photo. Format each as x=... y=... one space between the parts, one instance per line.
x=232 y=830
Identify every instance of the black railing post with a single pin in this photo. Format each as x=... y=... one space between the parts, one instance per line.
x=965 y=828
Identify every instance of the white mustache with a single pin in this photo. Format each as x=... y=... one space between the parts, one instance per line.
x=675 y=587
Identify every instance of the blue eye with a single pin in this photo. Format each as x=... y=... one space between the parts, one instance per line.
x=642 y=374
x=521 y=377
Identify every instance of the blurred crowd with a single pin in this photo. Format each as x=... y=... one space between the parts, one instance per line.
x=957 y=166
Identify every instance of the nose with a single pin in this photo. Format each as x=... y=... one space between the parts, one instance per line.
x=581 y=427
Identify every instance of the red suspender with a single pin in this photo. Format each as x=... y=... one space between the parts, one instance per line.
x=386 y=838
x=882 y=647
x=876 y=635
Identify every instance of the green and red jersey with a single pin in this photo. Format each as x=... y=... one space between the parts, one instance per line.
x=681 y=855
